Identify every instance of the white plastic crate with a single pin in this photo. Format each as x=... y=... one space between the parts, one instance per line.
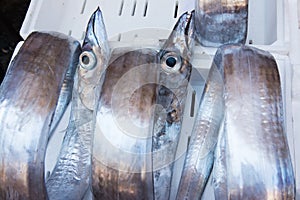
x=272 y=26
x=266 y=18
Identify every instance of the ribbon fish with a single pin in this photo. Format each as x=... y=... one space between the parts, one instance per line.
x=219 y=22
x=131 y=127
x=33 y=94
x=122 y=142
x=200 y=153
x=252 y=158
x=71 y=176
x=239 y=131
x=174 y=76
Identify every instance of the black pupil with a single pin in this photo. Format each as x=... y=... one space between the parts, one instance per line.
x=171 y=61
x=85 y=60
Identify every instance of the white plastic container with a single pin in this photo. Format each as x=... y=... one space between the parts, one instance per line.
x=272 y=26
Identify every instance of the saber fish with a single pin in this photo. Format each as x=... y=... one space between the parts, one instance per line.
x=219 y=22
x=253 y=159
x=174 y=76
x=65 y=97
x=70 y=178
x=122 y=142
x=200 y=154
x=28 y=97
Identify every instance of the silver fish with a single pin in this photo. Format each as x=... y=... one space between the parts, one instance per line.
x=122 y=156
x=200 y=154
x=65 y=97
x=122 y=142
x=252 y=158
x=71 y=175
x=28 y=98
x=173 y=81
x=220 y=22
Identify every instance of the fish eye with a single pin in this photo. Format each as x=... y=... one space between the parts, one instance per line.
x=87 y=60
x=171 y=62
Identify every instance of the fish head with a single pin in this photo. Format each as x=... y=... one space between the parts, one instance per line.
x=93 y=60
x=176 y=52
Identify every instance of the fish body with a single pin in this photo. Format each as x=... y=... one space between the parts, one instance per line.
x=122 y=142
x=252 y=158
x=140 y=111
x=174 y=75
x=65 y=97
x=221 y=22
x=200 y=153
x=71 y=176
x=28 y=98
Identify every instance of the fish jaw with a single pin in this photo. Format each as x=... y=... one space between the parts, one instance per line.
x=182 y=38
x=176 y=53
x=94 y=59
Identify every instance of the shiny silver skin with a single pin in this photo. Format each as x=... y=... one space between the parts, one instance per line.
x=172 y=91
x=252 y=157
x=219 y=22
x=28 y=99
x=130 y=126
x=65 y=97
x=71 y=176
x=200 y=154
x=122 y=142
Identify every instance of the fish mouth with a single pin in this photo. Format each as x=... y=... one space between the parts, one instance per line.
x=189 y=29
x=96 y=35
x=182 y=39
